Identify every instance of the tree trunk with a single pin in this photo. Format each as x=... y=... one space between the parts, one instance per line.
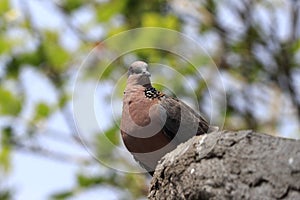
x=230 y=165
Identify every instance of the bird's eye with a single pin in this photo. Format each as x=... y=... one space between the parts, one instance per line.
x=139 y=71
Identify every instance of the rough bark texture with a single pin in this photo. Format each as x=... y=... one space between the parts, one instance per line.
x=230 y=165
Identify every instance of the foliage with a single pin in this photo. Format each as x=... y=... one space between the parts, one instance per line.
x=255 y=50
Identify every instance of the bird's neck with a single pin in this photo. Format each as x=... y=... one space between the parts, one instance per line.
x=136 y=80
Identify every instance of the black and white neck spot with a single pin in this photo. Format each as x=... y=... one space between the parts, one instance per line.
x=152 y=93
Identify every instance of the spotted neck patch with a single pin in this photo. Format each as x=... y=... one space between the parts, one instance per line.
x=152 y=93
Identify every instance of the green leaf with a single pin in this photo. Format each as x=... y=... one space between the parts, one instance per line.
x=32 y=58
x=4 y=44
x=55 y=54
x=85 y=181
x=113 y=135
x=296 y=46
x=107 y=10
x=5 y=194
x=42 y=111
x=63 y=100
x=4 y=6
x=107 y=142
x=62 y=195
x=5 y=151
x=70 y=5
x=9 y=103
x=152 y=19
x=6 y=136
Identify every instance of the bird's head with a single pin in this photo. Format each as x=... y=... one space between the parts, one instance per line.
x=138 y=73
x=139 y=68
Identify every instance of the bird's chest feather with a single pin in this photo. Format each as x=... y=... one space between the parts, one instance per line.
x=142 y=123
x=137 y=107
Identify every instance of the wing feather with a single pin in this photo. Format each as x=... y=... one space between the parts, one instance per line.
x=182 y=121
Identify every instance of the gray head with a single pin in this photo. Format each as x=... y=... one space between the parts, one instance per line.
x=138 y=74
x=140 y=68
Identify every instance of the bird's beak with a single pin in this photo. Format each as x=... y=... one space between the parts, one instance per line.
x=146 y=73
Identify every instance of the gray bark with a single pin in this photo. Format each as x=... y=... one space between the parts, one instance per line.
x=230 y=165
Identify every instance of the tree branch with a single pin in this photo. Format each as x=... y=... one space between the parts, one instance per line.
x=230 y=165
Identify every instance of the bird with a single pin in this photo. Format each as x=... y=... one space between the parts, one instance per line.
x=153 y=123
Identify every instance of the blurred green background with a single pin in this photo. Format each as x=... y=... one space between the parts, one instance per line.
x=255 y=46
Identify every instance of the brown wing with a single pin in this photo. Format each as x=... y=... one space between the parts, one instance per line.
x=182 y=121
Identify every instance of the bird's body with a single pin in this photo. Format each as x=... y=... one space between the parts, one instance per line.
x=153 y=123
x=137 y=106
